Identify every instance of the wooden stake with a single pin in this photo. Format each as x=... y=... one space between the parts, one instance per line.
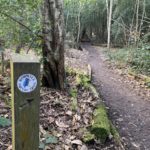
x=25 y=86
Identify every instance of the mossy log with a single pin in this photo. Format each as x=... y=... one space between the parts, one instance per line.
x=101 y=125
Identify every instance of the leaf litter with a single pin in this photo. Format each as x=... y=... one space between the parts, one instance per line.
x=61 y=126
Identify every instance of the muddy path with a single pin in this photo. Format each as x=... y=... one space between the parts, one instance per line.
x=129 y=112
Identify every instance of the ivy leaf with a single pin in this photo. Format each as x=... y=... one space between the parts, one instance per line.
x=42 y=146
x=4 y=122
x=51 y=140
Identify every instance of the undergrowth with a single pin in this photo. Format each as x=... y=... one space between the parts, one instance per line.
x=138 y=59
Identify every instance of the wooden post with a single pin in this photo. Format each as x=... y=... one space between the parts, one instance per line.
x=25 y=86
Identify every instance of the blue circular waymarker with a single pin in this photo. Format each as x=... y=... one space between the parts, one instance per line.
x=27 y=83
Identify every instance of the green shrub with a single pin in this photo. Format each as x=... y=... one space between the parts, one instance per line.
x=141 y=60
x=136 y=58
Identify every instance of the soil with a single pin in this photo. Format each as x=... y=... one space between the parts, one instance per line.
x=128 y=110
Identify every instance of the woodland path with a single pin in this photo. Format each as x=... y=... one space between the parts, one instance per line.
x=129 y=112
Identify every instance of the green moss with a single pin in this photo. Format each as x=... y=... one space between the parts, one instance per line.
x=88 y=137
x=94 y=91
x=70 y=71
x=73 y=93
x=116 y=136
x=73 y=71
x=101 y=125
x=115 y=133
x=83 y=80
x=100 y=128
x=74 y=104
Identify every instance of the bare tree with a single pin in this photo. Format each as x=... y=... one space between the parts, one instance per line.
x=107 y=6
x=137 y=20
x=53 y=44
x=79 y=24
x=142 y=19
x=109 y=11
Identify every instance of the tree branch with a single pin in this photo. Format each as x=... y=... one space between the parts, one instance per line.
x=20 y=23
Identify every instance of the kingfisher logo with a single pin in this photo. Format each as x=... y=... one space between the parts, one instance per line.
x=27 y=83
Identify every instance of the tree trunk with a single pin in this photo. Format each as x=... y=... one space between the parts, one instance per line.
x=109 y=23
x=79 y=26
x=107 y=6
x=53 y=44
x=18 y=48
x=137 y=21
x=66 y=24
x=143 y=14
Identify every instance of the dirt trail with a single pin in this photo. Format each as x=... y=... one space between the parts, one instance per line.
x=129 y=112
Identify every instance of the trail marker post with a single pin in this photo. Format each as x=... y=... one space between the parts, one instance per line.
x=25 y=86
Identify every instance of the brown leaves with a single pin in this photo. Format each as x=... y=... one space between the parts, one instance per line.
x=77 y=60
x=58 y=118
x=60 y=126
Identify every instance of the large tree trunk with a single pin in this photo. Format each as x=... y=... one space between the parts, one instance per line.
x=53 y=44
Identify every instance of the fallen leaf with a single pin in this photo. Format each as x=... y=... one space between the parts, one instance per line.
x=84 y=147
x=9 y=148
x=51 y=119
x=69 y=113
x=4 y=122
x=66 y=147
x=42 y=145
x=61 y=124
x=77 y=142
x=51 y=140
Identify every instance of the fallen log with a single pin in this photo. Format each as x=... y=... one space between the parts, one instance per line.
x=101 y=125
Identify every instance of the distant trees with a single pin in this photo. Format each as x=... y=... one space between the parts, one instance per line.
x=116 y=22
x=127 y=24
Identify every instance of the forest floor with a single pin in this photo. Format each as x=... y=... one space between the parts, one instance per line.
x=125 y=98
x=65 y=117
